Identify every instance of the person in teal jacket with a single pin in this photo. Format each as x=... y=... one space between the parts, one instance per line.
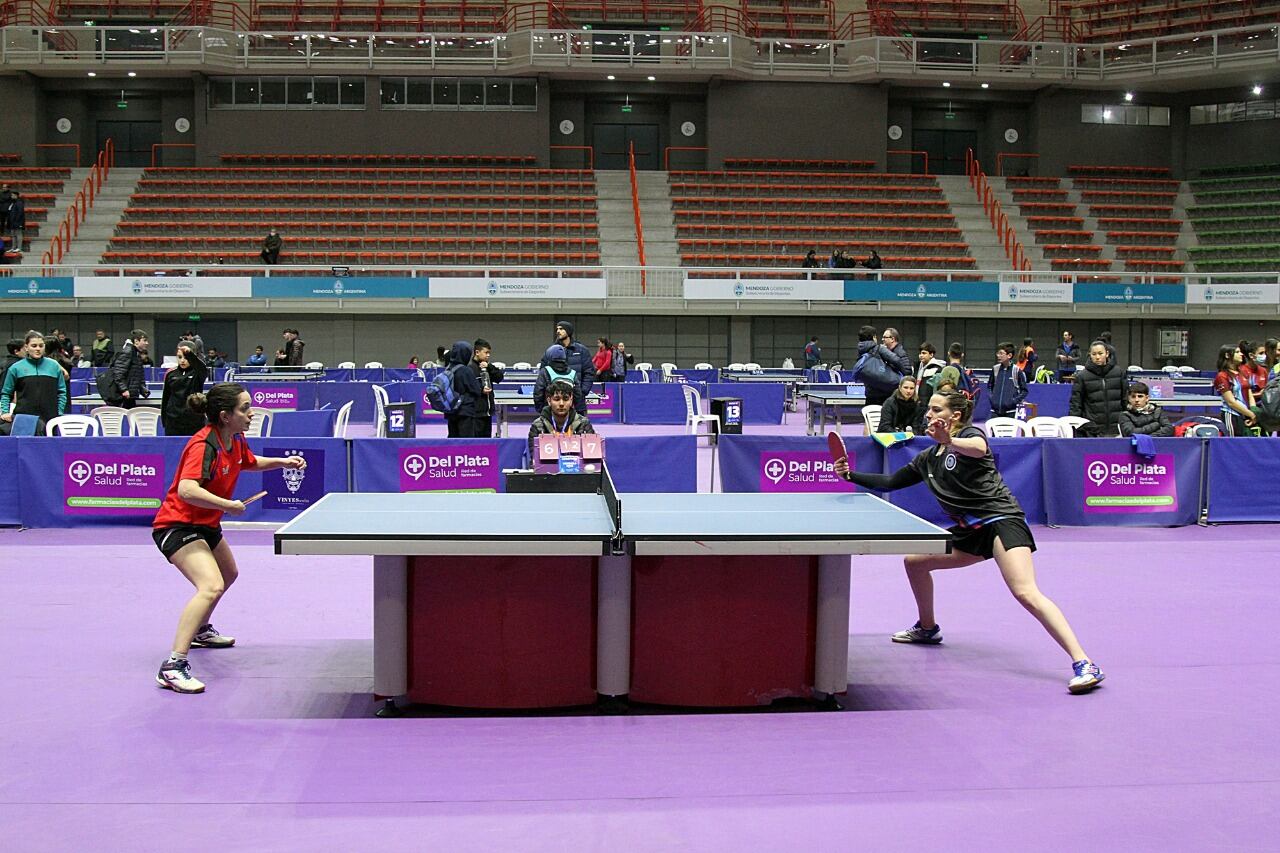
x=34 y=386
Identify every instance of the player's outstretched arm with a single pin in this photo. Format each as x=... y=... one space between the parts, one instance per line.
x=269 y=463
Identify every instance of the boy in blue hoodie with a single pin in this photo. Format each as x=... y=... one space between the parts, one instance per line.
x=555 y=365
x=1008 y=384
x=33 y=386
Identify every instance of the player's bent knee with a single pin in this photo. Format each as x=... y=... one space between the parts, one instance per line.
x=212 y=592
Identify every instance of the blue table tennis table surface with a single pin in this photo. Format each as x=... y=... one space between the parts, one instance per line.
x=747 y=523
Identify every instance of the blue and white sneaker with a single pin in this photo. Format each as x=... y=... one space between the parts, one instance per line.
x=916 y=634
x=1087 y=676
x=209 y=638
x=176 y=675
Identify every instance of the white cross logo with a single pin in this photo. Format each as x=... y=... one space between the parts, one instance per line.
x=415 y=466
x=774 y=469
x=79 y=471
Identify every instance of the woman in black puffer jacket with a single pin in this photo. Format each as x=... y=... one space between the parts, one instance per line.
x=1098 y=393
x=179 y=384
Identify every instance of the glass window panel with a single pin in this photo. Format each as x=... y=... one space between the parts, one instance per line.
x=524 y=93
x=1112 y=115
x=273 y=91
x=471 y=93
x=1091 y=113
x=392 y=90
x=497 y=93
x=1159 y=116
x=351 y=92
x=1261 y=110
x=300 y=91
x=1135 y=115
x=420 y=92
x=325 y=91
x=246 y=90
x=445 y=92
x=221 y=92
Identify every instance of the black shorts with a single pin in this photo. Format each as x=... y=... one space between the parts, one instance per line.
x=981 y=541
x=171 y=540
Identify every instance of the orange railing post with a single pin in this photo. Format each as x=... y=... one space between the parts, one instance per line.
x=994 y=211
x=635 y=207
x=924 y=156
x=1000 y=158
x=81 y=204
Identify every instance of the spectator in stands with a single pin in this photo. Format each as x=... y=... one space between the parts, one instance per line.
x=78 y=359
x=102 y=349
x=1144 y=417
x=812 y=353
x=14 y=352
x=293 y=346
x=214 y=359
x=1027 y=359
x=627 y=357
x=873 y=261
x=271 y=248
x=1253 y=371
x=1007 y=383
x=1229 y=385
x=6 y=201
x=902 y=411
x=559 y=415
x=180 y=383
x=18 y=221
x=602 y=361
x=33 y=385
x=1068 y=354
x=578 y=359
x=1098 y=393
x=259 y=357
x=413 y=363
x=929 y=363
x=811 y=261
x=475 y=417
x=125 y=374
x=554 y=367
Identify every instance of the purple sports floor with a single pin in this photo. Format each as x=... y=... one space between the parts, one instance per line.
x=973 y=745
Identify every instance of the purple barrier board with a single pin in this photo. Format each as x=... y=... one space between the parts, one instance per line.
x=763 y=463
x=1101 y=481
x=1237 y=467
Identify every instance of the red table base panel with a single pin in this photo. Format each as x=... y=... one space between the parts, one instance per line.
x=502 y=631
x=721 y=631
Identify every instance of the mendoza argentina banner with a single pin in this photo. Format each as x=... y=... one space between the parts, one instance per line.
x=164 y=287
x=517 y=288
x=357 y=287
x=763 y=289
x=38 y=288
x=921 y=291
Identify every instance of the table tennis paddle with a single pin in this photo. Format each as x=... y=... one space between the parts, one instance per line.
x=256 y=497
x=836 y=445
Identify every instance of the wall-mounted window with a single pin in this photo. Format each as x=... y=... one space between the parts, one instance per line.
x=1130 y=114
x=286 y=93
x=458 y=93
x=1238 y=111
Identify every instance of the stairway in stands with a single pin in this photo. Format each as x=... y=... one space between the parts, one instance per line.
x=98 y=226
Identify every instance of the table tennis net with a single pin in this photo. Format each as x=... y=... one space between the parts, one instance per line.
x=610 y=494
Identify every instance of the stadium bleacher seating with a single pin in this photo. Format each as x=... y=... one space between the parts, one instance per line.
x=949 y=17
x=394 y=214
x=1133 y=207
x=1236 y=217
x=766 y=215
x=40 y=187
x=1119 y=20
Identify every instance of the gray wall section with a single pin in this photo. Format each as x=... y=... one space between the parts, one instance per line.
x=843 y=121
x=1062 y=140
x=21 y=96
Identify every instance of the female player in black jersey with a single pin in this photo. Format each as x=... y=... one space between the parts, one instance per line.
x=962 y=475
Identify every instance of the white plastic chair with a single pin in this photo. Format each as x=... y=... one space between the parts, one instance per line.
x=340 y=422
x=522 y=365
x=833 y=376
x=702 y=365
x=693 y=411
x=644 y=365
x=112 y=420
x=261 y=424
x=788 y=363
x=737 y=365
x=501 y=365
x=1171 y=369
x=373 y=365
x=668 y=372
x=1135 y=368
x=1046 y=427
x=1071 y=423
x=871 y=418
x=1186 y=368
x=145 y=421
x=315 y=365
x=346 y=365
x=1005 y=428
x=380 y=400
x=72 y=426
x=750 y=365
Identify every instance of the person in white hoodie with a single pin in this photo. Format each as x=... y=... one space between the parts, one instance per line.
x=929 y=363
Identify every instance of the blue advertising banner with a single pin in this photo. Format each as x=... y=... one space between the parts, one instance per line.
x=1101 y=481
x=289 y=492
x=1019 y=462
x=61 y=287
x=1093 y=292
x=762 y=402
x=10 y=508
x=1237 y=469
x=316 y=423
x=359 y=287
x=659 y=463
x=654 y=403
x=921 y=291
x=770 y=463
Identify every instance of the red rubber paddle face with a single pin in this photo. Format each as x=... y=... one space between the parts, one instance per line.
x=836 y=445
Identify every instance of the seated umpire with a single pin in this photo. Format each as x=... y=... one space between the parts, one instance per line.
x=558 y=417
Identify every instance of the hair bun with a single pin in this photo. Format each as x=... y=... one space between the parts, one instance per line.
x=197 y=402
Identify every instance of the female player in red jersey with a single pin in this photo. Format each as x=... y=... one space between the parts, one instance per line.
x=187 y=529
x=961 y=473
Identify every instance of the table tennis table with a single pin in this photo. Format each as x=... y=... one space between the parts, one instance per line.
x=1204 y=404
x=536 y=601
x=510 y=401
x=786 y=376
x=834 y=401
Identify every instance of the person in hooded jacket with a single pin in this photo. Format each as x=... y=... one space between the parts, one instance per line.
x=1098 y=393
x=1144 y=417
x=475 y=415
x=466 y=383
x=180 y=383
x=554 y=366
x=127 y=377
x=579 y=359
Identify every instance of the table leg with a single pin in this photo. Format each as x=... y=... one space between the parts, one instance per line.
x=390 y=626
x=613 y=626
x=831 y=644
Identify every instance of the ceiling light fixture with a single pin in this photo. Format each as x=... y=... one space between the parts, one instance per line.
x=1128 y=96
x=946 y=85
x=1257 y=88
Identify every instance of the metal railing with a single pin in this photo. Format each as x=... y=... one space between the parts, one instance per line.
x=859 y=58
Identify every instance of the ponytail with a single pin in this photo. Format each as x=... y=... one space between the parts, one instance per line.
x=220 y=398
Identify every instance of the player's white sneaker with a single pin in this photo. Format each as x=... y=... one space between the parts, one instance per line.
x=916 y=634
x=176 y=675
x=1087 y=675
x=209 y=638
